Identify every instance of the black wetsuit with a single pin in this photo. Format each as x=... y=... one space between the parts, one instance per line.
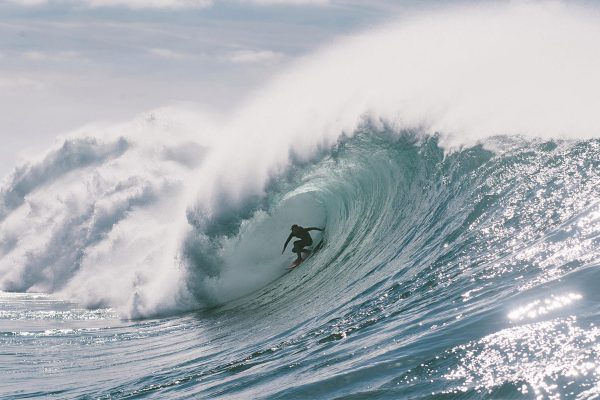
x=305 y=239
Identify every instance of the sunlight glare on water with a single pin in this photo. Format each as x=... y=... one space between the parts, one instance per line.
x=545 y=358
x=543 y=306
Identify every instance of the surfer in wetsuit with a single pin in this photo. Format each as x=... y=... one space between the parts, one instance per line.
x=305 y=239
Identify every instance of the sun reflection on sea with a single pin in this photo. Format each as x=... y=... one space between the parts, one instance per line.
x=543 y=306
x=543 y=359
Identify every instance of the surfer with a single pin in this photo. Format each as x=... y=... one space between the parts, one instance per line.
x=305 y=240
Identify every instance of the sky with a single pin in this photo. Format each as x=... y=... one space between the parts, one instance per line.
x=67 y=63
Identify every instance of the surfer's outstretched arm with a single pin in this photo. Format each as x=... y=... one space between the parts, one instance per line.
x=287 y=241
x=315 y=229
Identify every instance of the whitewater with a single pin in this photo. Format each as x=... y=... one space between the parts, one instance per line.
x=453 y=158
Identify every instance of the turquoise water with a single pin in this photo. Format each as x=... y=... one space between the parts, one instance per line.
x=463 y=274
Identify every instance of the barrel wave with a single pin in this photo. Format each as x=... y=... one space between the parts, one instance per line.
x=460 y=256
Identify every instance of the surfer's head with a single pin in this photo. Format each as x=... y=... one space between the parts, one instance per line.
x=294 y=228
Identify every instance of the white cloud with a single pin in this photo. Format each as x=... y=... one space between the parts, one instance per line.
x=158 y=4
x=134 y=4
x=150 y=3
x=19 y=82
x=36 y=55
x=28 y=2
x=166 y=53
x=288 y=2
x=254 y=56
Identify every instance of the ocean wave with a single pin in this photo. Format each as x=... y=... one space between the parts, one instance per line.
x=454 y=162
x=175 y=211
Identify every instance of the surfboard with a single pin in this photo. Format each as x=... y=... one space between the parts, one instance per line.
x=295 y=263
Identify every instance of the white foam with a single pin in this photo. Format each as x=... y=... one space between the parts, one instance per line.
x=468 y=73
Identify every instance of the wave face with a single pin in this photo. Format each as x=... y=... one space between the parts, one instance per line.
x=462 y=227
x=473 y=273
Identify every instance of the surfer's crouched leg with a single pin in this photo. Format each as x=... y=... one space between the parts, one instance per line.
x=299 y=247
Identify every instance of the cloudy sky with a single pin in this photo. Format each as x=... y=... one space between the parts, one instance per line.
x=65 y=63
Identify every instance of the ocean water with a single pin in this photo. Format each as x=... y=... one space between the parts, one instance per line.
x=459 y=187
